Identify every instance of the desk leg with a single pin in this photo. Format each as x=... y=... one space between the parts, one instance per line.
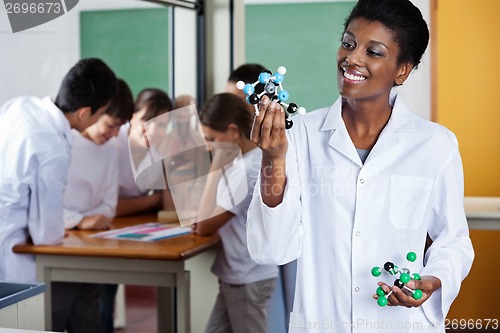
x=165 y=309
x=44 y=275
x=182 y=302
x=170 y=299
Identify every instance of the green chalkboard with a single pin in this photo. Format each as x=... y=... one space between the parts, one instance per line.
x=133 y=42
x=303 y=37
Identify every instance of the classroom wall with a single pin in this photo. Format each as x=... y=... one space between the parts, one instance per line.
x=467 y=73
x=468 y=45
x=416 y=91
x=33 y=62
x=37 y=59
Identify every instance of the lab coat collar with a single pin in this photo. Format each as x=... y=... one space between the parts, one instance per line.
x=60 y=120
x=401 y=120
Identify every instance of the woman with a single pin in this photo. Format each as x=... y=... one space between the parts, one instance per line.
x=360 y=183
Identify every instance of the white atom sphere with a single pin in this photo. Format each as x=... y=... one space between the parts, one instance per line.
x=282 y=70
x=240 y=85
x=301 y=110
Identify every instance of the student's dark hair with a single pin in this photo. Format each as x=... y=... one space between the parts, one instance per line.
x=248 y=73
x=122 y=105
x=90 y=83
x=155 y=101
x=403 y=19
x=224 y=109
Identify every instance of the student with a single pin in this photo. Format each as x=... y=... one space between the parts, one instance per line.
x=183 y=161
x=182 y=101
x=245 y=287
x=133 y=199
x=35 y=142
x=90 y=197
x=90 y=201
x=248 y=73
x=281 y=302
x=360 y=183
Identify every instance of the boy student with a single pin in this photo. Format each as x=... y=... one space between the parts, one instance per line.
x=248 y=73
x=35 y=141
x=89 y=203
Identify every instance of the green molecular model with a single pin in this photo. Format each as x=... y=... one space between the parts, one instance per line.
x=405 y=276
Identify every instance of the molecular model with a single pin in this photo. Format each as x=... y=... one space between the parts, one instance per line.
x=404 y=278
x=274 y=89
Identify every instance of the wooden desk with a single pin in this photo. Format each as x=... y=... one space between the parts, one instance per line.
x=96 y=260
x=483 y=213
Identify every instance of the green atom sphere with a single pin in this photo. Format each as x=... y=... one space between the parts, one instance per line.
x=382 y=301
x=376 y=271
x=405 y=278
x=411 y=256
x=417 y=294
x=415 y=276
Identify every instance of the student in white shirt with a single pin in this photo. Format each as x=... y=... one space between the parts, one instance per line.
x=90 y=201
x=245 y=287
x=35 y=141
x=133 y=199
x=361 y=183
x=281 y=302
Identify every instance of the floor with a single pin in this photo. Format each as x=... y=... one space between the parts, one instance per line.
x=140 y=310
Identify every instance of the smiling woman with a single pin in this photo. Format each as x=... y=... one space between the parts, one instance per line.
x=388 y=157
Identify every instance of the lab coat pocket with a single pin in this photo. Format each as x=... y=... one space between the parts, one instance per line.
x=409 y=200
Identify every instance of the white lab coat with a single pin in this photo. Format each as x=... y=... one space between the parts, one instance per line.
x=35 y=142
x=92 y=186
x=340 y=218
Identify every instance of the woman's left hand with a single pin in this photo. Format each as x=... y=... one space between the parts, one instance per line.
x=403 y=297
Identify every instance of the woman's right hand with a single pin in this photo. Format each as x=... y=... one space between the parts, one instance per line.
x=268 y=130
x=269 y=134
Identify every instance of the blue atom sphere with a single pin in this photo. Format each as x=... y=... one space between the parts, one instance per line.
x=264 y=77
x=283 y=95
x=278 y=78
x=248 y=89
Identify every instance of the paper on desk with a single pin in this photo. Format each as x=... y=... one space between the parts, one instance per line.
x=147 y=232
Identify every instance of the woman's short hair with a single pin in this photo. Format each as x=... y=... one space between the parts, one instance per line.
x=403 y=19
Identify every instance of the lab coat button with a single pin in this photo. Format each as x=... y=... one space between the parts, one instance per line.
x=358 y=233
x=356 y=289
x=362 y=181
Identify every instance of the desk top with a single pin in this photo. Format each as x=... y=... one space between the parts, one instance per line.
x=78 y=243
x=482 y=207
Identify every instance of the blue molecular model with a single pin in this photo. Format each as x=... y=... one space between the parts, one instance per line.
x=274 y=89
x=405 y=276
